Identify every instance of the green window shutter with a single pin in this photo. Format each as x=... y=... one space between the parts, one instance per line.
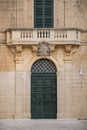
x=38 y=13
x=48 y=13
x=43 y=13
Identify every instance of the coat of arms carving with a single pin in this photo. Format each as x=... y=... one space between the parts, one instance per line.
x=43 y=49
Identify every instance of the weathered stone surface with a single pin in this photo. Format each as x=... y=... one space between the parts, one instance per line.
x=18 y=52
x=43 y=124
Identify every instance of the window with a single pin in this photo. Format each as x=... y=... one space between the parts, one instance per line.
x=43 y=13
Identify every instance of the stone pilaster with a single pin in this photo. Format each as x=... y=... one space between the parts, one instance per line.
x=19 y=82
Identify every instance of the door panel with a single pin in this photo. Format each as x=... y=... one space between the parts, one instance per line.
x=43 y=96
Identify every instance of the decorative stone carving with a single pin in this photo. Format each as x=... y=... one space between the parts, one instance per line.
x=19 y=48
x=69 y=51
x=18 y=53
x=43 y=49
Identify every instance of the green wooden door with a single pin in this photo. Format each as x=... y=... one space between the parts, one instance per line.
x=43 y=90
x=43 y=95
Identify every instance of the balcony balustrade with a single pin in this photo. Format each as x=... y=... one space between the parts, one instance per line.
x=35 y=36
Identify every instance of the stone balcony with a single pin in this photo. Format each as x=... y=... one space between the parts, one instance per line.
x=35 y=36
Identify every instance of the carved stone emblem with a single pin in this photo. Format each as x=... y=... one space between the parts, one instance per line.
x=43 y=49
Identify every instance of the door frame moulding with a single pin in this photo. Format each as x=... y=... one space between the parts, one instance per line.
x=57 y=65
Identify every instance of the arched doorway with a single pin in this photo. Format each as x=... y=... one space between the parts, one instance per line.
x=43 y=90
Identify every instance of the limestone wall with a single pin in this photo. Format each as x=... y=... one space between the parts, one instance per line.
x=7 y=83
x=16 y=61
x=20 y=13
x=79 y=83
x=7 y=62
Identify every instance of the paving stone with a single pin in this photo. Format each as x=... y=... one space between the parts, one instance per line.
x=30 y=124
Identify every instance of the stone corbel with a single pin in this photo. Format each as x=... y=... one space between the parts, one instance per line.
x=18 y=57
x=18 y=48
x=68 y=51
